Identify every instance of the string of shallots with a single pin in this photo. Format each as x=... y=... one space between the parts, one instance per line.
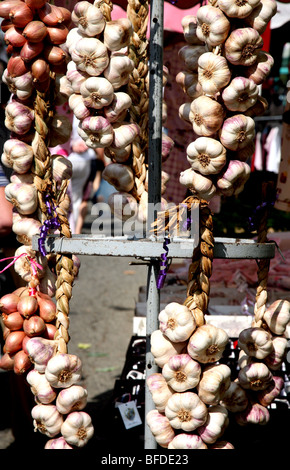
x=194 y=392
x=36 y=329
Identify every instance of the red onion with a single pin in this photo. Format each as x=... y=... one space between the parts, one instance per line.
x=50 y=15
x=57 y=34
x=66 y=15
x=27 y=305
x=31 y=50
x=7 y=362
x=50 y=331
x=47 y=307
x=22 y=362
x=16 y=66
x=8 y=303
x=33 y=326
x=6 y=7
x=5 y=25
x=13 y=321
x=35 y=3
x=21 y=15
x=35 y=31
x=14 y=37
x=54 y=55
x=40 y=70
x=24 y=342
x=13 y=341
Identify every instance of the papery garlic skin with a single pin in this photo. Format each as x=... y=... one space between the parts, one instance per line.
x=277 y=316
x=189 y=83
x=213 y=73
x=212 y=25
x=186 y=411
x=71 y=399
x=181 y=372
x=21 y=86
x=118 y=33
x=123 y=205
x=242 y=46
x=17 y=155
x=235 y=398
x=88 y=18
x=189 y=25
x=206 y=155
x=78 y=107
x=120 y=103
x=214 y=382
x=61 y=168
x=97 y=92
x=187 y=441
x=237 y=132
x=47 y=420
x=40 y=351
x=190 y=56
x=120 y=176
x=238 y=9
x=232 y=181
x=275 y=359
x=25 y=228
x=23 y=196
x=256 y=342
x=268 y=395
x=255 y=376
x=124 y=134
x=207 y=343
x=96 y=131
x=206 y=116
x=22 y=264
x=201 y=184
x=255 y=414
x=160 y=427
x=118 y=70
x=77 y=429
x=260 y=70
x=159 y=390
x=215 y=425
x=261 y=15
x=63 y=370
x=18 y=118
x=176 y=322
x=162 y=348
x=240 y=95
x=59 y=443
x=40 y=387
x=90 y=55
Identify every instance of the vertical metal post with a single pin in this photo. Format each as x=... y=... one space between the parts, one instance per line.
x=154 y=187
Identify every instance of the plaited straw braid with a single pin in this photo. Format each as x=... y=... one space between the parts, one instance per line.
x=200 y=269
x=137 y=13
x=106 y=7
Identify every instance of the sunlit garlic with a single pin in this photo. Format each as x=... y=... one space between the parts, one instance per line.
x=213 y=73
x=176 y=322
x=181 y=372
x=212 y=25
x=186 y=411
x=243 y=46
x=206 y=155
x=63 y=370
x=206 y=116
x=240 y=94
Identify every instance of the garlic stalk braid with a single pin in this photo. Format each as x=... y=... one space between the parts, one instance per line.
x=200 y=270
x=137 y=12
x=64 y=282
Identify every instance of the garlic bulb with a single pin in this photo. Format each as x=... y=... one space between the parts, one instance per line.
x=186 y=411
x=238 y=9
x=159 y=390
x=162 y=348
x=40 y=387
x=73 y=36
x=212 y=25
x=46 y=419
x=213 y=73
x=260 y=70
x=120 y=103
x=232 y=180
x=189 y=83
x=77 y=429
x=117 y=34
x=256 y=342
x=124 y=134
x=63 y=370
x=90 y=55
x=189 y=25
x=255 y=376
x=23 y=197
x=96 y=131
x=241 y=94
x=25 y=228
x=120 y=176
x=75 y=77
x=235 y=398
x=18 y=118
x=254 y=413
x=78 y=107
x=17 y=155
x=176 y=322
x=59 y=443
x=203 y=185
x=261 y=15
x=40 y=351
x=259 y=107
x=207 y=343
x=242 y=46
x=206 y=116
x=181 y=372
x=187 y=441
x=277 y=316
x=160 y=427
x=61 y=168
x=214 y=382
x=123 y=205
x=190 y=55
x=275 y=359
x=206 y=155
x=118 y=70
x=71 y=399
x=237 y=132
x=88 y=18
x=22 y=264
x=97 y=92
x=269 y=394
x=21 y=86
x=217 y=422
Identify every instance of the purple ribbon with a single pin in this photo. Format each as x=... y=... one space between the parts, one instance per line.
x=164 y=265
x=51 y=223
x=253 y=220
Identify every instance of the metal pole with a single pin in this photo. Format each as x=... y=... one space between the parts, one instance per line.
x=154 y=188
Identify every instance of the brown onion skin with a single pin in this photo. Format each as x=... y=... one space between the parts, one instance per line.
x=5 y=7
x=20 y=15
x=54 y=55
x=25 y=340
x=7 y=361
x=35 y=4
x=22 y=363
x=34 y=326
x=46 y=307
x=57 y=34
x=27 y=306
x=21 y=291
x=31 y=50
x=6 y=24
x=40 y=70
x=66 y=15
x=13 y=342
x=8 y=303
x=50 y=331
x=14 y=37
x=35 y=31
x=50 y=14
x=16 y=66
x=42 y=87
x=13 y=321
